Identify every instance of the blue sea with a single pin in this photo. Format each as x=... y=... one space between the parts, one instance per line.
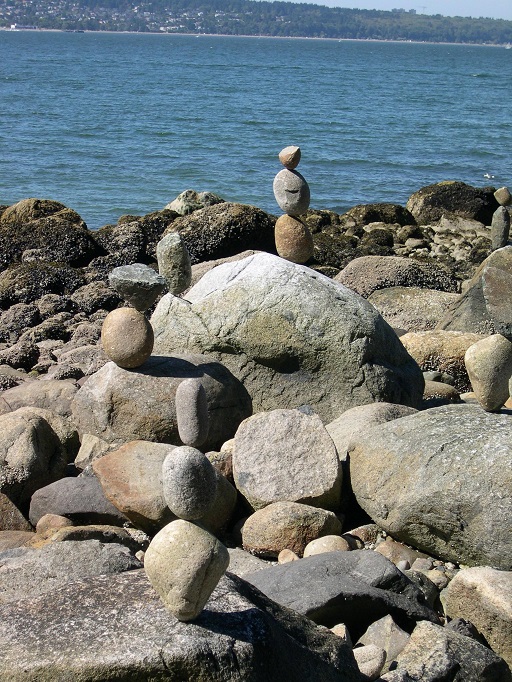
x=111 y=124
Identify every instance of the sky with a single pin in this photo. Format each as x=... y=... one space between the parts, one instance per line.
x=496 y=9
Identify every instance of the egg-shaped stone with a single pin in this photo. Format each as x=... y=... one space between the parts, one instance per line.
x=291 y=192
x=127 y=337
x=290 y=157
x=189 y=483
x=294 y=241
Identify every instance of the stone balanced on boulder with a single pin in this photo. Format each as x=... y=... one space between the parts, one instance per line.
x=293 y=238
x=184 y=562
x=500 y=226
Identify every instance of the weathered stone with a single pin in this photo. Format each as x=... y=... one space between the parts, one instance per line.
x=27 y=573
x=412 y=309
x=291 y=192
x=117 y=405
x=370 y=660
x=437 y=393
x=500 y=228
x=286 y=455
x=27 y=282
x=430 y=204
x=91 y=448
x=242 y=563
x=503 y=196
x=293 y=337
x=138 y=284
x=116 y=626
x=483 y=596
x=290 y=157
x=190 y=201
x=286 y=525
x=434 y=653
x=435 y=481
x=51 y=395
x=219 y=514
x=31 y=455
x=174 y=263
x=184 y=564
x=355 y=588
x=102 y=532
x=294 y=241
x=52 y=522
x=12 y=539
x=10 y=516
x=127 y=337
x=387 y=635
x=396 y=551
x=442 y=351
x=189 y=483
x=368 y=274
x=80 y=499
x=489 y=366
x=131 y=478
x=192 y=412
x=327 y=543
x=287 y=555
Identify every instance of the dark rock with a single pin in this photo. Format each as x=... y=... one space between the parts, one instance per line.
x=21 y=355
x=81 y=500
x=95 y=296
x=364 y=214
x=28 y=282
x=450 y=199
x=10 y=516
x=224 y=230
x=51 y=304
x=355 y=588
x=138 y=284
x=53 y=328
x=17 y=319
x=116 y=627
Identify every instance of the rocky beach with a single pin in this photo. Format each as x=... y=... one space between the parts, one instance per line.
x=253 y=448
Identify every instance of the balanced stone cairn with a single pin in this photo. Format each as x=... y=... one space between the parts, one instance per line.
x=293 y=238
x=184 y=562
x=500 y=226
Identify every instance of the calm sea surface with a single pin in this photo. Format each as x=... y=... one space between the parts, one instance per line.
x=113 y=123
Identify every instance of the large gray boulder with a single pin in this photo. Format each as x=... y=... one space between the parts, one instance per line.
x=355 y=588
x=450 y=198
x=26 y=572
x=291 y=335
x=116 y=628
x=439 y=480
x=120 y=405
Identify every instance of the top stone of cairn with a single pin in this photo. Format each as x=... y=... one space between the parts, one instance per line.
x=290 y=157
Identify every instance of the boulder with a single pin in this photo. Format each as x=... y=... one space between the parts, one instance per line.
x=291 y=335
x=27 y=282
x=412 y=309
x=286 y=455
x=116 y=627
x=286 y=525
x=364 y=214
x=80 y=499
x=121 y=405
x=27 y=573
x=371 y=273
x=434 y=653
x=489 y=366
x=442 y=351
x=52 y=395
x=10 y=516
x=435 y=480
x=449 y=198
x=355 y=588
x=484 y=307
x=131 y=478
x=17 y=319
x=225 y=229
x=483 y=596
x=31 y=455
x=190 y=201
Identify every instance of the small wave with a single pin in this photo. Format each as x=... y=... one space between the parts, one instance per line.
x=482 y=75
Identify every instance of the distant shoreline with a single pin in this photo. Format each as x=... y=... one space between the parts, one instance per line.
x=259 y=37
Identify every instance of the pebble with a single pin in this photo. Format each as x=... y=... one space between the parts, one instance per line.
x=138 y=284
x=340 y=629
x=184 y=563
x=327 y=543
x=127 y=337
x=290 y=157
x=286 y=555
x=174 y=263
x=192 y=412
x=294 y=241
x=291 y=192
x=189 y=482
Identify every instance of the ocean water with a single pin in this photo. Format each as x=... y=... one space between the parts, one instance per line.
x=111 y=124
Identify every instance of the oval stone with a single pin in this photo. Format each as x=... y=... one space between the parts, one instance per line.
x=291 y=192
x=294 y=241
x=127 y=337
x=290 y=157
x=189 y=482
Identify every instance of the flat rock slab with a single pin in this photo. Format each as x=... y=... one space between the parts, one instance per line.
x=116 y=628
x=355 y=588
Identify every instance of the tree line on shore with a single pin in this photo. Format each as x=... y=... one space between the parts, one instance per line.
x=247 y=17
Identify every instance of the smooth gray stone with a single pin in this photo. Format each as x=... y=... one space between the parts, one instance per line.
x=174 y=263
x=500 y=228
x=116 y=628
x=138 y=284
x=355 y=588
x=291 y=192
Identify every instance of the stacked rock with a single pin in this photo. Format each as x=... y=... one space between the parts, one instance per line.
x=293 y=238
x=184 y=562
x=126 y=335
x=500 y=226
x=174 y=263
